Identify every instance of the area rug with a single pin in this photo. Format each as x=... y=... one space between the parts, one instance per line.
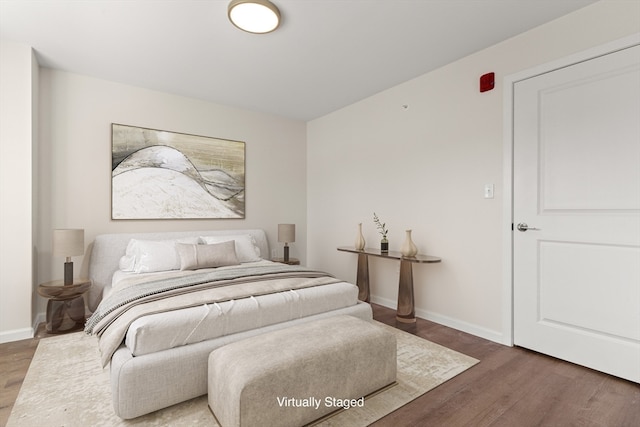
x=66 y=386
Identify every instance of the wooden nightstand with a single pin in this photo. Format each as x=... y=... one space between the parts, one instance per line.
x=292 y=261
x=65 y=308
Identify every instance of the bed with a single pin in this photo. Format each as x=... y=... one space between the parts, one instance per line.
x=162 y=302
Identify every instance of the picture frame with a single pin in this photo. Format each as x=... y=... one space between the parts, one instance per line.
x=157 y=174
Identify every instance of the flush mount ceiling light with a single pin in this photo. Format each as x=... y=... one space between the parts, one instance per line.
x=254 y=16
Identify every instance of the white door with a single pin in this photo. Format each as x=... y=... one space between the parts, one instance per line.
x=576 y=183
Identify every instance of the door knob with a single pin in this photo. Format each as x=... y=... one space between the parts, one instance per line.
x=524 y=227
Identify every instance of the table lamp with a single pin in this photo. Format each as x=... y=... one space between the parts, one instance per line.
x=286 y=235
x=68 y=243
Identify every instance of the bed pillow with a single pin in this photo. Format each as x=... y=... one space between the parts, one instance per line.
x=128 y=260
x=127 y=263
x=194 y=257
x=154 y=255
x=246 y=248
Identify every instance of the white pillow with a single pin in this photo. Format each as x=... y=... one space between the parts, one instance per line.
x=127 y=263
x=194 y=257
x=154 y=255
x=246 y=248
x=128 y=260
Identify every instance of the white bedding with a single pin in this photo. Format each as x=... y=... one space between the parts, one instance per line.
x=162 y=331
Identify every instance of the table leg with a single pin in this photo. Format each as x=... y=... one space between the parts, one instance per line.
x=362 y=279
x=406 y=310
x=55 y=315
x=64 y=316
x=75 y=310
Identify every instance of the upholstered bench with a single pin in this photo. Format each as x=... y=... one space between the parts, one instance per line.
x=296 y=375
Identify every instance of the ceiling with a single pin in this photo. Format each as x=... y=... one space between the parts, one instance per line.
x=327 y=53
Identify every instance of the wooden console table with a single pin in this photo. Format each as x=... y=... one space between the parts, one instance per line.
x=406 y=306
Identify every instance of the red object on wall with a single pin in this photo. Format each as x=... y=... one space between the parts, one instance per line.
x=487 y=82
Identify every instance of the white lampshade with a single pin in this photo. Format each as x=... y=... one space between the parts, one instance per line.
x=68 y=242
x=254 y=16
x=286 y=233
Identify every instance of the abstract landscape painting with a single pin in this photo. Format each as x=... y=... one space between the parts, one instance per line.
x=166 y=175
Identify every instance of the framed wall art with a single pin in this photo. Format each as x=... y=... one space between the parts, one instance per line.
x=157 y=174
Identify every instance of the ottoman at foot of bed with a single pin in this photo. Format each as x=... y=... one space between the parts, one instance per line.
x=296 y=375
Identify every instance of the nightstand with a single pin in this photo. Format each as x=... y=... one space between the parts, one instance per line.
x=65 y=308
x=292 y=261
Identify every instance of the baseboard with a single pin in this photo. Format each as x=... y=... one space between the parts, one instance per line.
x=24 y=333
x=457 y=324
x=16 y=335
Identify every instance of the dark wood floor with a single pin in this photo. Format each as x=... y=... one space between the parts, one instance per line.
x=514 y=387
x=15 y=358
x=510 y=387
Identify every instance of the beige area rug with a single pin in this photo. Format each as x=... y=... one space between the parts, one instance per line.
x=65 y=386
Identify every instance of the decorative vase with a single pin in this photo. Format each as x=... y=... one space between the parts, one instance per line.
x=359 y=239
x=384 y=245
x=408 y=249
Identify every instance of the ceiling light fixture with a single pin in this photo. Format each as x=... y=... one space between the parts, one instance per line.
x=254 y=16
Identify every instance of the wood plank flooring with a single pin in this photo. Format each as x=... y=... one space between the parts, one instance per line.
x=514 y=387
x=15 y=358
x=511 y=387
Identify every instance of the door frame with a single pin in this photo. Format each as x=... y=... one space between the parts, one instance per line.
x=507 y=165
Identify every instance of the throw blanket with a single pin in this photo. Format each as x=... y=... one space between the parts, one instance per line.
x=113 y=316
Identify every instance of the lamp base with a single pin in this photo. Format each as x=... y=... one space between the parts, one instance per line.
x=286 y=253
x=68 y=273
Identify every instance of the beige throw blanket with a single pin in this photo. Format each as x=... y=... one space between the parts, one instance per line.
x=111 y=325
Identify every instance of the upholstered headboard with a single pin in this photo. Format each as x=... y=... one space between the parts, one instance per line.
x=109 y=248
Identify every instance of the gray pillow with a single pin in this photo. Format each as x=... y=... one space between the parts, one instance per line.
x=194 y=257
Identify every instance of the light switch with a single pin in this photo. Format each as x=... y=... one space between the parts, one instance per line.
x=488 y=191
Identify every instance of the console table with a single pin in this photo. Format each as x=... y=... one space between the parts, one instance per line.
x=406 y=307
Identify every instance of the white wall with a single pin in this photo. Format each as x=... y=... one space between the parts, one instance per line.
x=424 y=168
x=75 y=161
x=18 y=86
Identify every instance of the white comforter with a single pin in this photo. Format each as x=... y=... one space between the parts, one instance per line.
x=158 y=319
x=161 y=331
